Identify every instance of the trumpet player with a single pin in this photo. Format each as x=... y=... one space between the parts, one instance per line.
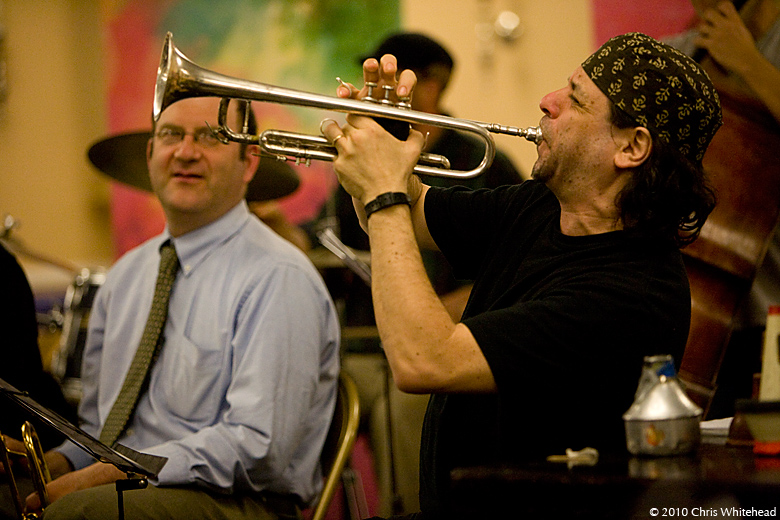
x=577 y=272
x=241 y=392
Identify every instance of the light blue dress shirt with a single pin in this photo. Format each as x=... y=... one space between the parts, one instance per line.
x=243 y=391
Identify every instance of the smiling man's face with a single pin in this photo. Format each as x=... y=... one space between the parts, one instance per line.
x=196 y=179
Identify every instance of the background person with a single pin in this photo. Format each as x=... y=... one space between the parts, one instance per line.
x=22 y=367
x=746 y=45
x=242 y=393
x=434 y=67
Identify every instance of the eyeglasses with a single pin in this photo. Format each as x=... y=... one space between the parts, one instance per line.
x=204 y=137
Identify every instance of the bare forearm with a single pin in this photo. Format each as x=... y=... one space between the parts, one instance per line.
x=94 y=475
x=456 y=300
x=427 y=350
x=764 y=79
x=416 y=191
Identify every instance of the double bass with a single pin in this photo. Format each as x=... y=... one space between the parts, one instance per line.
x=743 y=166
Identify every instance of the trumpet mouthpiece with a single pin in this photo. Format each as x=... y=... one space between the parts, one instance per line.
x=532 y=133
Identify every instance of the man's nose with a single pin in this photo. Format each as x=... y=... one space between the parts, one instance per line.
x=187 y=148
x=550 y=104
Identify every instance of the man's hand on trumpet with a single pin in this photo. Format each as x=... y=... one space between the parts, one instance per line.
x=371 y=161
x=404 y=82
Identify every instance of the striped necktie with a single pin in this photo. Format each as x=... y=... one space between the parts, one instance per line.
x=148 y=349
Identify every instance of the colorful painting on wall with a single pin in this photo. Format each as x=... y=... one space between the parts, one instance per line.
x=303 y=44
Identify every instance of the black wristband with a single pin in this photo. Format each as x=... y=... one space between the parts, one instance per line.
x=385 y=200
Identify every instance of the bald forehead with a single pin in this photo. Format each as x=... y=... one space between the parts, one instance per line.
x=197 y=108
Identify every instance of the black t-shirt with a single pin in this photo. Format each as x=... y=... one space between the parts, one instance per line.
x=465 y=153
x=564 y=323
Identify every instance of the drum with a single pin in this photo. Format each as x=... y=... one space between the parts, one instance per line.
x=66 y=362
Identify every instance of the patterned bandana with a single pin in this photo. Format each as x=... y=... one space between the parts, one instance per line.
x=660 y=88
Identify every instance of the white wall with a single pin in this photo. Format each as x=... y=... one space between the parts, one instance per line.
x=54 y=109
x=556 y=38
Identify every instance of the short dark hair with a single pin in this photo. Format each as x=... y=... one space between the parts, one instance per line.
x=668 y=196
x=418 y=52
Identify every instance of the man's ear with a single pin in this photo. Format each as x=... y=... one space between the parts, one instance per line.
x=252 y=160
x=635 y=145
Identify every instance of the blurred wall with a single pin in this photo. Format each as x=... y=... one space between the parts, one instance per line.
x=498 y=80
x=53 y=109
x=56 y=106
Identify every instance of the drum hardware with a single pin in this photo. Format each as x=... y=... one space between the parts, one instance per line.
x=66 y=362
x=179 y=78
x=349 y=257
x=17 y=247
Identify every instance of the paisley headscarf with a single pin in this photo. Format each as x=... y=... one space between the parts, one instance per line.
x=660 y=88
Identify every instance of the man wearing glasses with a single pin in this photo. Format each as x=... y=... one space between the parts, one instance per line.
x=240 y=396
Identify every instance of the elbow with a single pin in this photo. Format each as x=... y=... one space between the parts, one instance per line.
x=414 y=378
x=411 y=385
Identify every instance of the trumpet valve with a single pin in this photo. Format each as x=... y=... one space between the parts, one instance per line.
x=370 y=85
x=388 y=90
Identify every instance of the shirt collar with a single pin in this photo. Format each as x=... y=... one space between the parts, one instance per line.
x=193 y=247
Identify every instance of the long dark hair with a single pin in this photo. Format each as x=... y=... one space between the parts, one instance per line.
x=668 y=196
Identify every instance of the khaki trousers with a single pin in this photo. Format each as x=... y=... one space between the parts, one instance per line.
x=158 y=503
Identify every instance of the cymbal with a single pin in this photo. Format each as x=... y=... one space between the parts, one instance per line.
x=123 y=158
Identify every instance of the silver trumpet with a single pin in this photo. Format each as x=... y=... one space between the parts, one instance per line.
x=179 y=78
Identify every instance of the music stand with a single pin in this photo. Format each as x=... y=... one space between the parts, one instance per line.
x=138 y=466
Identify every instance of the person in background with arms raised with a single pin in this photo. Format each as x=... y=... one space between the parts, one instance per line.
x=745 y=43
x=578 y=273
x=433 y=65
x=242 y=392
